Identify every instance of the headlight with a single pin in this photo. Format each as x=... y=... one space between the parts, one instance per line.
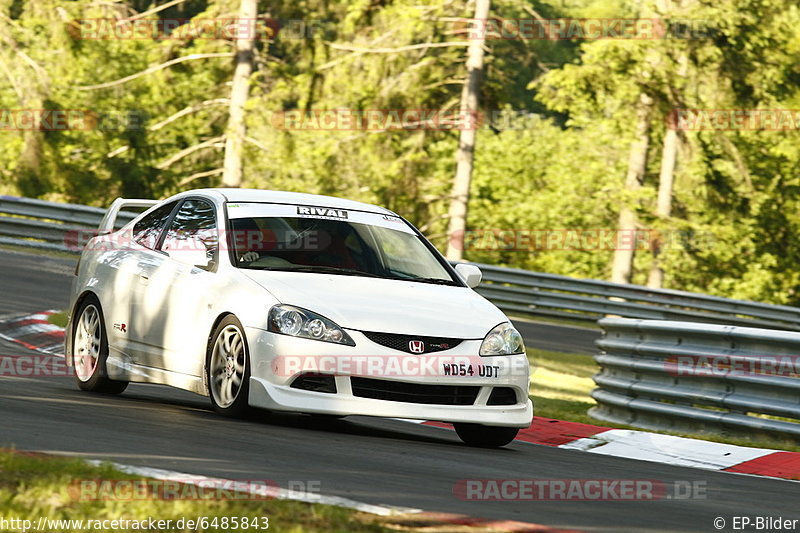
x=502 y=340
x=297 y=322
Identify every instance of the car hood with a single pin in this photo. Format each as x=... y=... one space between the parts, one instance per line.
x=385 y=305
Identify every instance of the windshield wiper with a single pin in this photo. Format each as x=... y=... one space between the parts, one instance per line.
x=328 y=270
x=352 y=272
x=434 y=281
x=405 y=276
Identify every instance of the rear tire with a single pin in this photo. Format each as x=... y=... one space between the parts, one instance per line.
x=228 y=369
x=485 y=436
x=90 y=350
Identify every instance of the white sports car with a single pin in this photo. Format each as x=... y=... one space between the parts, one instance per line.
x=294 y=302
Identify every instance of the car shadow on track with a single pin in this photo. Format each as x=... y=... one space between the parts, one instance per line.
x=160 y=398
x=166 y=400
x=357 y=426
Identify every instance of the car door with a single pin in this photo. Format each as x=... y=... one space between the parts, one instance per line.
x=128 y=324
x=181 y=288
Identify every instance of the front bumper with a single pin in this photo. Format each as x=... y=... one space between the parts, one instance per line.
x=271 y=379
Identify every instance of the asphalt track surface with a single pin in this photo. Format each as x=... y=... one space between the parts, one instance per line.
x=370 y=460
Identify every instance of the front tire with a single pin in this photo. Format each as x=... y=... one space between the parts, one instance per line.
x=228 y=369
x=485 y=436
x=90 y=350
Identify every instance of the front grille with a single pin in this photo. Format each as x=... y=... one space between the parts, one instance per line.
x=502 y=396
x=399 y=391
x=402 y=343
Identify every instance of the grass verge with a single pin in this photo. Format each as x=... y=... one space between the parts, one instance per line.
x=560 y=388
x=59 y=319
x=33 y=486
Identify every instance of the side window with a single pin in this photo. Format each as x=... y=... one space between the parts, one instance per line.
x=194 y=225
x=148 y=229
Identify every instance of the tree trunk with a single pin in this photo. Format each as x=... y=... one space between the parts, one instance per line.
x=622 y=266
x=664 y=203
x=666 y=178
x=232 y=167
x=465 y=155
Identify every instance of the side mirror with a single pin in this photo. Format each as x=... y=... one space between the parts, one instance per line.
x=191 y=251
x=470 y=274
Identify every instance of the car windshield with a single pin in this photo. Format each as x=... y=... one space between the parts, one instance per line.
x=336 y=241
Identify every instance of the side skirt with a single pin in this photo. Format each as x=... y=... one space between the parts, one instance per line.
x=120 y=369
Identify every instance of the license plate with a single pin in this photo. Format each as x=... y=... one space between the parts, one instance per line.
x=465 y=370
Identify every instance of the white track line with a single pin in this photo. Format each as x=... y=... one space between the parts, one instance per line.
x=265 y=490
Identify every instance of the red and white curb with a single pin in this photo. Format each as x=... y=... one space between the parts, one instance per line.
x=34 y=332
x=655 y=447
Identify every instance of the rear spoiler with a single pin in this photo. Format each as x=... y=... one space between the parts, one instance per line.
x=116 y=211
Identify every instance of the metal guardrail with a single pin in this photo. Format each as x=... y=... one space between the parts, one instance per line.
x=46 y=225
x=537 y=293
x=682 y=375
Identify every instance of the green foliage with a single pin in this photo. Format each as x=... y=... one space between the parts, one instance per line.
x=551 y=155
